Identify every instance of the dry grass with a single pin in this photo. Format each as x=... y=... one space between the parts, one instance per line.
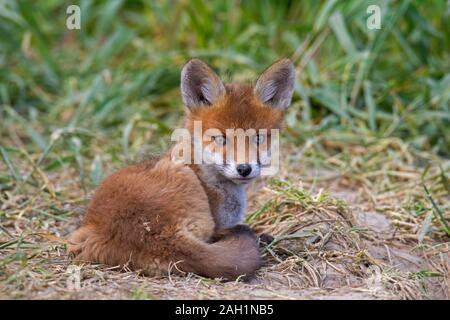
x=357 y=224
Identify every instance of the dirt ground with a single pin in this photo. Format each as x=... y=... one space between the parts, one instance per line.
x=356 y=229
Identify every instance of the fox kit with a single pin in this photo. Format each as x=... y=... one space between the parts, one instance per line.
x=163 y=215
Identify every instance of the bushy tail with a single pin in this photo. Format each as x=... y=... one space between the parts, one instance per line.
x=236 y=254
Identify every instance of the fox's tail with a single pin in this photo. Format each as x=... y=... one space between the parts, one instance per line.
x=236 y=254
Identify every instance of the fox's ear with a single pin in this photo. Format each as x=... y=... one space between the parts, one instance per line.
x=276 y=85
x=200 y=85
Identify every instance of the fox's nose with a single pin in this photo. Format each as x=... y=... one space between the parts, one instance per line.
x=244 y=169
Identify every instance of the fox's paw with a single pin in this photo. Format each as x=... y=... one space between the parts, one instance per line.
x=265 y=239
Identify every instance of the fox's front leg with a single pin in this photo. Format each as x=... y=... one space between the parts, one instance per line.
x=237 y=229
x=264 y=238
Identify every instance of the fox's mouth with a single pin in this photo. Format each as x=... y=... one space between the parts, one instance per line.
x=242 y=180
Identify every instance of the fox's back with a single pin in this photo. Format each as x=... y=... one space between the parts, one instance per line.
x=151 y=199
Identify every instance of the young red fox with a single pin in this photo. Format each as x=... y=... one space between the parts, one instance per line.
x=162 y=214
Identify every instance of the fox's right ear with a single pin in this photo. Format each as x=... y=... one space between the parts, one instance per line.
x=200 y=85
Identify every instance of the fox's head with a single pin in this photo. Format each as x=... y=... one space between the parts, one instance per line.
x=236 y=120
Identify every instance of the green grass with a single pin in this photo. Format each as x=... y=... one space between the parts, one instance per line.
x=118 y=75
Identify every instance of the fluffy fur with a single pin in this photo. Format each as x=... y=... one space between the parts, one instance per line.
x=161 y=215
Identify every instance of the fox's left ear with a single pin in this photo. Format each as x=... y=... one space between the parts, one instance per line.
x=276 y=85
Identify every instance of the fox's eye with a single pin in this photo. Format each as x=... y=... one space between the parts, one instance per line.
x=259 y=138
x=220 y=140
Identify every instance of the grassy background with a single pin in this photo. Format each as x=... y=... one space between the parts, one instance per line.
x=120 y=72
x=371 y=107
